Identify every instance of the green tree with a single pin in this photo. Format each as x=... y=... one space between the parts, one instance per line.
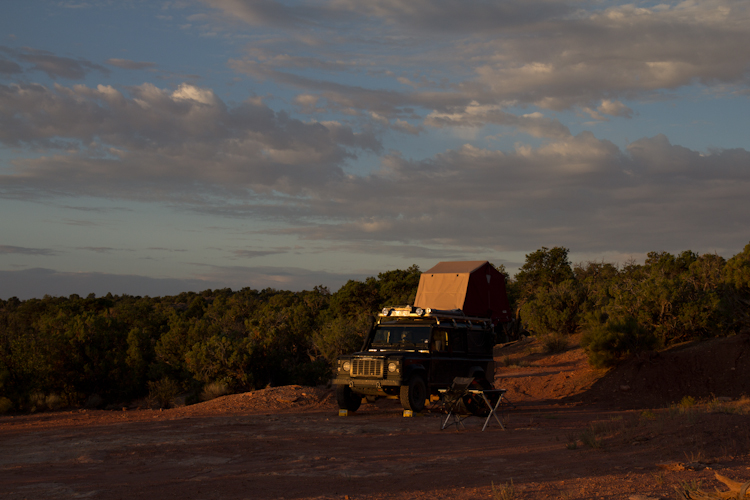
x=549 y=295
x=555 y=309
x=543 y=269
x=736 y=277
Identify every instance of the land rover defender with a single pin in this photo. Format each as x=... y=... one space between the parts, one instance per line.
x=412 y=352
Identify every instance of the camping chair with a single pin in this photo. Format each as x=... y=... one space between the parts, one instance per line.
x=453 y=401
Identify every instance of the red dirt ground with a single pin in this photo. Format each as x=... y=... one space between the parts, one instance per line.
x=575 y=433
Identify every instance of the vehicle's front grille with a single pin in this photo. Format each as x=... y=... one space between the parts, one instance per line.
x=367 y=368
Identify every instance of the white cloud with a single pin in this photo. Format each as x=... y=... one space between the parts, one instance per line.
x=160 y=144
x=190 y=92
x=477 y=115
x=555 y=55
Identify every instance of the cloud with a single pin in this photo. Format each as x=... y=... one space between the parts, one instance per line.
x=128 y=64
x=259 y=12
x=103 y=250
x=9 y=249
x=251 y=254
x=581 y=192
x=614 y=108
x=187 y=148
x=476 y=115
x=59 y=67
x=9 y=67
x=458 y=16
x=157 y=144
x=553 y=55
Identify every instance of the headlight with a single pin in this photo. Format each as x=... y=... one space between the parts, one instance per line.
x=346 y=366
x=392 y=367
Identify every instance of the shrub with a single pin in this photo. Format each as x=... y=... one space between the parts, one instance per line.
x=162 y=392
x=555 y=343
x=37 y=401
x=504 y=491
x=54 y=402
x=214 y=390
x=588 y=438
x=608 y=343
x=5 y=405
x=687 y=402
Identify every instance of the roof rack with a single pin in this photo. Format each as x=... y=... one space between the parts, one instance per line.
x=418 y=312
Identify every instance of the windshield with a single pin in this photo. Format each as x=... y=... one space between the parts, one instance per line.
x=415 y=337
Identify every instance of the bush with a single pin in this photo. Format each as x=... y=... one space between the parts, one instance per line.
x=555 y=310
x=554 y=344
x=5 y=405
x=214 y=390
x=37 y=402
x=162 y=393
x=608 y=343
x=54 y=402
x=687 y=402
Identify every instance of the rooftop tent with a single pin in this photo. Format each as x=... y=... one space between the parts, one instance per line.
x=475 y=287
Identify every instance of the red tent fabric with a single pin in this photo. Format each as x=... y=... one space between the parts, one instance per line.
x=475 y=287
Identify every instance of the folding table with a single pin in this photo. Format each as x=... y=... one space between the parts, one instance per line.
x=453 y=401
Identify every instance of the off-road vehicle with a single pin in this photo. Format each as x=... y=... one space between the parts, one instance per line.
x=411 y=352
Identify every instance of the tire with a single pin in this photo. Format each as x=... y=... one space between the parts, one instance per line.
x=413 y=395
x=347 y=399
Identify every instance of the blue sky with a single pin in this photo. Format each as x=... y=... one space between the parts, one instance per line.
x=155 y=147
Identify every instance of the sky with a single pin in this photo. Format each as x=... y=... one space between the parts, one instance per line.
x=150 y=148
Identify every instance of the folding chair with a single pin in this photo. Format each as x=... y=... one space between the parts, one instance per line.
x=453 y=401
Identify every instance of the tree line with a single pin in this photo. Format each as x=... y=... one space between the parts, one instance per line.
x=624 y=310
x=99 y=351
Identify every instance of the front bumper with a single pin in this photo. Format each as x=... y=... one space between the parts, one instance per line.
x=363 y=382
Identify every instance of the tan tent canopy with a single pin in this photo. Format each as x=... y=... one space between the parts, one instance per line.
x=475 y=287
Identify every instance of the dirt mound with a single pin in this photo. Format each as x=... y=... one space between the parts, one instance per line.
x=270 y=399
x=717 y=368
x=531 y=376
x=702 y=370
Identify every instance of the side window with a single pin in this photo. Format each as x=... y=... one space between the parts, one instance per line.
x=480 y=341
x=457 y=340
x=440 y=340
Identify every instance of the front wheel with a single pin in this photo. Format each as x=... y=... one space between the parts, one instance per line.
x=413 y=395
x=347 y=398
